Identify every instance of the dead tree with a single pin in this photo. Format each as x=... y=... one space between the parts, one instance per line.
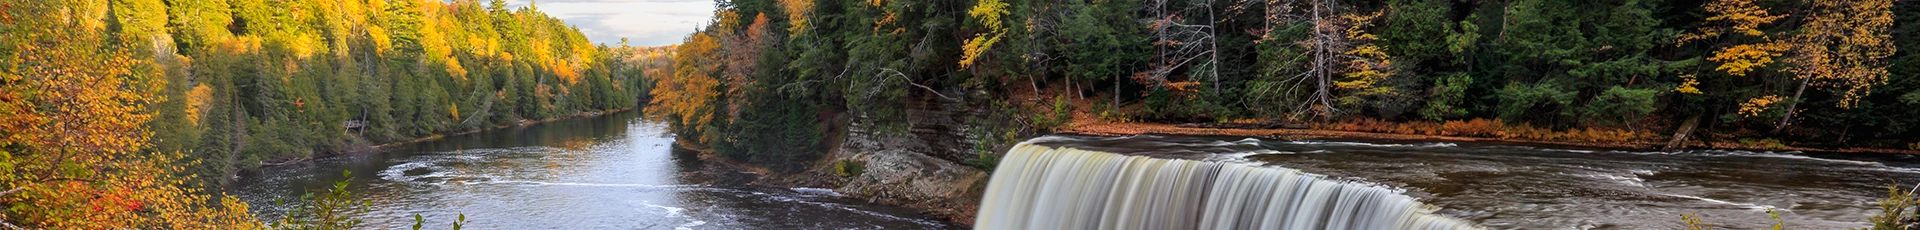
x=1180 y=42
x=1324 y=51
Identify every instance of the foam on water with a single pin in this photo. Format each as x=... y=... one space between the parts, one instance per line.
x=1363 y=144
x=816 y=191
x=1749 y=206
x=787 y=199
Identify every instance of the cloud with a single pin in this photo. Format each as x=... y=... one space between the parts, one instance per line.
x=644 y=22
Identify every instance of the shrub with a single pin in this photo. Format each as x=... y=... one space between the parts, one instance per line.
x=1449 y=93
x=849 y=168
x=1768 y=143
x=1473 y=128
x=1518 y=102
x=1619 y=105
x=1054 y=117
x=984 y=161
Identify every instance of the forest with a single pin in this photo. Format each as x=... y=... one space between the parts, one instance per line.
x=761 y=78
x=131 y=113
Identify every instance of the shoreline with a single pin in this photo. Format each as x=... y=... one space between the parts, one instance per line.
x=1111 y=129
x=382 y=147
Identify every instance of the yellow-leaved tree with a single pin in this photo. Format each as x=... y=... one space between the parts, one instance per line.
x=1841 y=46
x=1838 y=44
x=73 y=124
x=1367 y=63
x=688 y=94
x=989 y=13
x=1736 y=24
x=797 y=13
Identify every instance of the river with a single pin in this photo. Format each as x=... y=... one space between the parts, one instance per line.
x=1519 y=186
x=608 y=172
x=621 y=172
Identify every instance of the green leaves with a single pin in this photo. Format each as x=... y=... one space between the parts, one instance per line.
x=1619 y=105
x=1449 y=95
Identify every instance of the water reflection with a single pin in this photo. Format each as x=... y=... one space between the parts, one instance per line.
x=599 y=173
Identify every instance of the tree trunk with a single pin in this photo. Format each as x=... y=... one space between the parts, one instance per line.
x=1680 y=137
x=1036 y=87
x=1795 y=101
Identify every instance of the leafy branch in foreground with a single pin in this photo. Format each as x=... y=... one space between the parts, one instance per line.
x=331 y=210
x=335 y=209
x=1896 y=212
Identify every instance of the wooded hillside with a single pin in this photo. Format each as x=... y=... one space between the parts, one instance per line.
x=758 y=80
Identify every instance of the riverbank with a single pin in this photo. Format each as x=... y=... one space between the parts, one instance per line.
x=1101 y=128
x=958 y=210
x=389 y=145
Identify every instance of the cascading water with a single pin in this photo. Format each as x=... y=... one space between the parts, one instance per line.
x=1041 y=187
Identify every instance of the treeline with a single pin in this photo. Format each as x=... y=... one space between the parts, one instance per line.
x=759 y=78
x=119 y=114
x=260 y=81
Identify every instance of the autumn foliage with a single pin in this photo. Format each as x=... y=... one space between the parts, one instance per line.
x=687 y=95
x=1490 y=128
x=73 y=126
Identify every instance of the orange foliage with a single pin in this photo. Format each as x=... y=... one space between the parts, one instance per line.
x=688 y=93
x=1488 y=129
x=1739 y=17
x=742 y=55
x=797 y=11
x=72 y=120
x=1843 y=46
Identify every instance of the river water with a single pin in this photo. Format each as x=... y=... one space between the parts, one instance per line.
x=608 y=172
x=620 y=172
x=1517 y=186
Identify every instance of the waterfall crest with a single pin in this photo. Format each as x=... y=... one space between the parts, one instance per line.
x=1040 y=187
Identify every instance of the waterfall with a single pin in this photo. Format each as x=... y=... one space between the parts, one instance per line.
x=1040 y=187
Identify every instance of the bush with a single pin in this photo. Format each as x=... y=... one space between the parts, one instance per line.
x=849 y=168
x=1449 y=94
x=1619 y=105
x=1518 y=102
x=1186 y=106
x=1473 y=128
x=984 y=161
x=1768 y=143
x=1056 y=116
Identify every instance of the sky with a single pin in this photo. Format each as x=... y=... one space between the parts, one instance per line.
x=644 y=22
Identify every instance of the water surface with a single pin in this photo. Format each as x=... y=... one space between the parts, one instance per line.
x=609 y=172
x=1517 y=186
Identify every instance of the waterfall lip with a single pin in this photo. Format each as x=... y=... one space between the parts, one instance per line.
x=1038 y=186
x=1147 y=144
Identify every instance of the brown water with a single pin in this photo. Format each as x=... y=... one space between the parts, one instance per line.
x=1513 y=186
x=609 y=172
